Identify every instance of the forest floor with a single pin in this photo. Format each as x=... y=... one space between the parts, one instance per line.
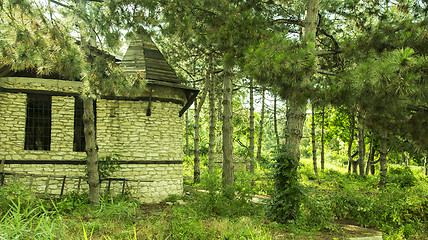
x=347 y=229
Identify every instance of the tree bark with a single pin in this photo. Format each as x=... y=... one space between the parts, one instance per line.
x=91 y=151
x=296 y=110
x=275 y=120
x=370 y=157
x=212 y=114
x=351 y=140
x=322 y=138
x=228 y=171
x=361 y=144
x=426 y=165
x=250 y=164
x=296 y=115
x=197 y=160
x=382 y=160
x=314 y=148
x=187 y=133
x=262 y=117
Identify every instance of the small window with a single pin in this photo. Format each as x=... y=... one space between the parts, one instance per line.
x=38 y=122
x=79 y=135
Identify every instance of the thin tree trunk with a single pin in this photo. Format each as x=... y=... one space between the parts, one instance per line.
x=212 y=115
x=250 y=164
x=275 y=120
x=91 y=151
x=219 y=137
x=197 y=160
x=382 y=160
x=426 y=165
x=361 y=144
x=351 y=140
x=322 y=138
x=314 y=148
x=228 y=172
x=187 y=133
x=89 y=119
x=369 y=158
x=262 y=117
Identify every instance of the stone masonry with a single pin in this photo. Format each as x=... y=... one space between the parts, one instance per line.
x=151 y=146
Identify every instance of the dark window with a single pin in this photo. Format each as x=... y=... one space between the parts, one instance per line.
x=79 y=135
x=38 y=122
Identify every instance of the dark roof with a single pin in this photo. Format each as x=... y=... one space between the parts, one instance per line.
x=143 y=55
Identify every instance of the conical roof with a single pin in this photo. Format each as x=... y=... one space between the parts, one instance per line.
x=143 y=55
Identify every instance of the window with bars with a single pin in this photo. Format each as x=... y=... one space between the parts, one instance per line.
x=38 y=122
x=79 y=135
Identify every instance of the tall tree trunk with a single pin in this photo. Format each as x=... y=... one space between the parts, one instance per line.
x=212 y=114
x=275 y=120
x=361 y=144
x=351 y=140
x=187 y=133
x=250 y=164
x=219 y=137
x=196 y=159
x=198 y=108
x=296 y=115
x=87 y=39
x=382 y=160
x=322 y=138
x=296 y=110
x=91 y=151
x=262 y=117
x=228 y=172
x=369 y=158
x=314 y=148
x=426 y=165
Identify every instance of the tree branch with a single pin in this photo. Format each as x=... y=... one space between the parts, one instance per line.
x=326 y=72
x=288 y=21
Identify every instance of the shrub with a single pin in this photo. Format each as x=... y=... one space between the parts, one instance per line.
x=401 y=177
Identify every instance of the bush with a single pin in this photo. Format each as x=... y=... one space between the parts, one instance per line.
x=401 y=176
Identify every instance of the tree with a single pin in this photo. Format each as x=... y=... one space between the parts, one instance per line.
x=314 y=149
x=47 y=45
x=251 y=147
x=262 y=117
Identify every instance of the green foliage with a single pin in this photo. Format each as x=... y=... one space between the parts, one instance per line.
x=286 y=201
x=109 y=164
x=402 y=177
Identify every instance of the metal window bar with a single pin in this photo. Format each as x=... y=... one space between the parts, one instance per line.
x=38 y=122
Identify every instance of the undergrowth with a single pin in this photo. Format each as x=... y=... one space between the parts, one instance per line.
x=400 y=210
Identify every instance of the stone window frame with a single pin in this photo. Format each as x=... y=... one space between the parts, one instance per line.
x=38 y=122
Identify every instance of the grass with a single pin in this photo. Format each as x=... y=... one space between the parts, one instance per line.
x=400 y=211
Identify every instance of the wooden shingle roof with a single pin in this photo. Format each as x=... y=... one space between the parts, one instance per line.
x=143 y=56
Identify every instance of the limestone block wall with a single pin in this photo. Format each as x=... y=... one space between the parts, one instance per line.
x=151 y=146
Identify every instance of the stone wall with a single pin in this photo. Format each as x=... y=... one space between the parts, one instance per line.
x=151 y=146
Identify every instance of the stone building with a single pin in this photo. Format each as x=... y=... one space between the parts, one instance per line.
x=41 y=130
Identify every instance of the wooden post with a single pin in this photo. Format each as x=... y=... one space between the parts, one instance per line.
x=31 y=181
x=123 y=186
x=78 y=184
x=108 y=187
x=47 y=184
x=62 y=187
